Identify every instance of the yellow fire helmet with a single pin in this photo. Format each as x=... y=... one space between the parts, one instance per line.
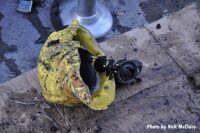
x=73 y=70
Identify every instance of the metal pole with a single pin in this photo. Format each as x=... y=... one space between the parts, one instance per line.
x=91 y=14
x=86 y=8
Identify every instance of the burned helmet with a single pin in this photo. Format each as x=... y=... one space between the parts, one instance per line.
x=72 y=70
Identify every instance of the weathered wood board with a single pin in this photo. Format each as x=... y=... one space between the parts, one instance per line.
x=158 y=67
x=167 y=103
x=179 y=35
x=165 y=96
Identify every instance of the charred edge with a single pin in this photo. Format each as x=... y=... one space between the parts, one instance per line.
x=76 y=78
x=45 y=82
x=54 y=55
x=111 y=77
x=71 y=60
x=106 y=87
x=63 y=56
x=67 y=53
x=66 y=77
x=53 y=42
x=46 y=65
x=73 y=55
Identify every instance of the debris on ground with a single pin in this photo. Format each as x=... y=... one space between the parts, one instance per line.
x=25 y=6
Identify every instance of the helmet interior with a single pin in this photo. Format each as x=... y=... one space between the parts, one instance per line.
x=87 y=71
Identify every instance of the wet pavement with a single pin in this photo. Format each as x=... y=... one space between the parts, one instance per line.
x=22 y=35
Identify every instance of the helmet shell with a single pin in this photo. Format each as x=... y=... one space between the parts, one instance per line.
x=58 y=70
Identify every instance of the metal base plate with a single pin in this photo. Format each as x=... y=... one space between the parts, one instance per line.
x=98 y=24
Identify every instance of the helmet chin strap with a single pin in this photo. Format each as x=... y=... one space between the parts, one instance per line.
x=125 y=71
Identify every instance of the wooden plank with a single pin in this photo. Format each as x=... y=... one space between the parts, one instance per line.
x=179 y=35
x=163 y=95
x=137 y=44
x=32 y=79
x=26 y=88
x=22 y=107
x=167 y=103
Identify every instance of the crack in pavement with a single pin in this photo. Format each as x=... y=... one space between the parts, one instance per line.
x=9 y=62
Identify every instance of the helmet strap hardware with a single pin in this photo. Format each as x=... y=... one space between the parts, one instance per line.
x=125 y=71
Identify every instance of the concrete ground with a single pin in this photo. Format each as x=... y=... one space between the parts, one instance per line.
x=166 y=101
x=22 y=35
